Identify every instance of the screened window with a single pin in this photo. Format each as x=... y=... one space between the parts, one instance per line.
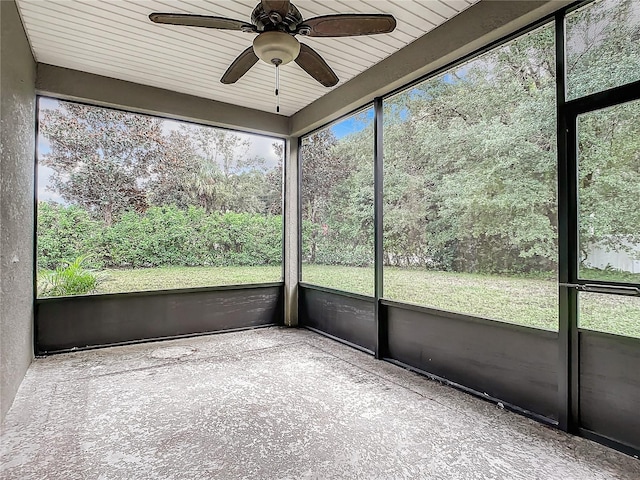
x=337 y=205
x=470 y=205
x=616 y=314
x=608 y=193
x=130 y=202
x=603 y=46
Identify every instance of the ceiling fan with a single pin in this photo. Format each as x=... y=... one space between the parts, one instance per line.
x=277 y=23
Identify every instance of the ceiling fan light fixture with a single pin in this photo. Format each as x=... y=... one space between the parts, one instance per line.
x=276 y=48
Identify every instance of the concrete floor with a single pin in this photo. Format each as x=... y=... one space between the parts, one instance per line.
x=275 y=404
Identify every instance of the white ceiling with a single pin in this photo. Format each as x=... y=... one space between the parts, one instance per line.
x=115 y=38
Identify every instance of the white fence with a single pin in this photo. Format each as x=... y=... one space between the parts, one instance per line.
x=624 y=259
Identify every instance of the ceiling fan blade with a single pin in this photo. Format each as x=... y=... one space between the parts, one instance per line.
x=312 y=63
x=205 y=21
x=349 y=25
x=282 y=7
x=240 y=66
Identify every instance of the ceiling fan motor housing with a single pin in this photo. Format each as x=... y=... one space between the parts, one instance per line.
x=264 y=20
x=276 y=48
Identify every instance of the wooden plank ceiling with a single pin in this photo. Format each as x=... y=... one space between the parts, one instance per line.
x=114 y=38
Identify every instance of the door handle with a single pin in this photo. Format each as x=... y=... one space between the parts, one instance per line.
x=613 y=289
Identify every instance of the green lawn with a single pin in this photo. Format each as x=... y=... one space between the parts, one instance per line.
x=524 y=301
x=516 y=300
x=165 y=278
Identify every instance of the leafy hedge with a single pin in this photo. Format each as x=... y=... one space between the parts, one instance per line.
x=162 y=236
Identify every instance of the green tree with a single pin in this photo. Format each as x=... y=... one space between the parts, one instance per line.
x=348 y=230
x=321 y=171
x=609 y=180
x=470 y=164
x=172 y=173
x=227 y=179
x=273 y=182
x=98 y=156
x=603 y=46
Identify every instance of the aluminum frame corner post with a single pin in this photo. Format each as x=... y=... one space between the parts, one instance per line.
x=291 y=229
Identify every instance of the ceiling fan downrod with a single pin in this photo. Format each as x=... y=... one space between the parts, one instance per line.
x=277 y=63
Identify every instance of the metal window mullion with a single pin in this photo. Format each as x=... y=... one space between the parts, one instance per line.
x=284 y=207
x=299 y=163
x=568 y=388
x=378 y=172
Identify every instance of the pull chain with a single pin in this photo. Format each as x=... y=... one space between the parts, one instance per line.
x=277 y=89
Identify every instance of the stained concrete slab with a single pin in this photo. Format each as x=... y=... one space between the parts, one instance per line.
x=273 y=403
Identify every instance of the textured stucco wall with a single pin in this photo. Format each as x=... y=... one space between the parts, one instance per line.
x=17 y=140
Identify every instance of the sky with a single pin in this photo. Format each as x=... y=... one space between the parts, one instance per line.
x=360 y=120
x=44 y=173
x=353 y=124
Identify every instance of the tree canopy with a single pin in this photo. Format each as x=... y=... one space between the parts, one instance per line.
x=110 y=162
x=470 y=162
